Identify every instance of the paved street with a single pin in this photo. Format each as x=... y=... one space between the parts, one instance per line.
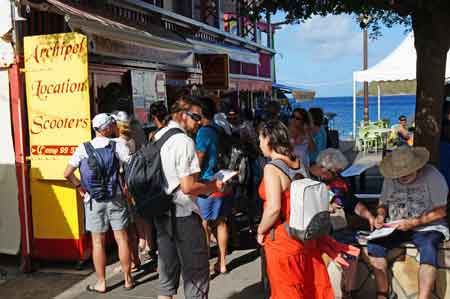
x=242 y=282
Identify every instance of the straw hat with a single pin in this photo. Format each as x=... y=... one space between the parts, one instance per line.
x=404 y=161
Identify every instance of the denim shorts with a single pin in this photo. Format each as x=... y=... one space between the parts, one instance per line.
x=213 y=208
x=102 y=214
x=426 y=242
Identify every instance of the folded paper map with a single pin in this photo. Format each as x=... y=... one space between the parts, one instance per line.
x=225 y=175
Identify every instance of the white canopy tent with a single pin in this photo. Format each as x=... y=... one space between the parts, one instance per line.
x=399 y=65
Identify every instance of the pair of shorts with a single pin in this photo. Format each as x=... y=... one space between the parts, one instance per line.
x=182 y=250
x=212 y=208
x=426 y=242
x=100 y=215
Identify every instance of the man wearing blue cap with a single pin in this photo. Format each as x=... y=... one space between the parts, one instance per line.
x=99 y=161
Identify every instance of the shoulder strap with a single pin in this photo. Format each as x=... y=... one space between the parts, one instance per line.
x=89 y=148
x=289 y=172
x=173 y=131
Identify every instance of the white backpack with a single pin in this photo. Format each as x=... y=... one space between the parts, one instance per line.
x=310 y=217
x=309 y=202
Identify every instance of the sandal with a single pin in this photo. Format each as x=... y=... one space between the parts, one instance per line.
x=129 y=288
x=219 y=271
x=135 y=268
x=216 y=270
x=92 y=289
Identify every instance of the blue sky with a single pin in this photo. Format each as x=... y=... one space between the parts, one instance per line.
x=323 y=52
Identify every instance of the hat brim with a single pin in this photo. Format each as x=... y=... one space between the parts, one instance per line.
x=387 y=170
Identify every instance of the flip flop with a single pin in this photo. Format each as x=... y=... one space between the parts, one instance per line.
x=92 y=289
x=218 y=271
x=129 y=288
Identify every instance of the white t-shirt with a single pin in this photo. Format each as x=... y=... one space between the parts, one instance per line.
x=123 y=154
x=130 y=143
x=428 y=192
x=179 y=159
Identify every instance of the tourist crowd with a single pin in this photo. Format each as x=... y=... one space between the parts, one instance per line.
x=268 y=155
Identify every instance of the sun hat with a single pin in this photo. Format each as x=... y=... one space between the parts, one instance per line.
x=404 y=161
x=101 y=121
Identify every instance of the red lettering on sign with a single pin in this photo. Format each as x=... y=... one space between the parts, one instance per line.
x=59 y=49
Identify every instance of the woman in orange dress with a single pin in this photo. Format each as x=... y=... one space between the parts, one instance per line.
x=295 y=269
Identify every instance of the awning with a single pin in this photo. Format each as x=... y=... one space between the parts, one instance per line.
x=398 y=65
x=235 y=53
x=299 y=94
x=250 y=85
x=111 y=38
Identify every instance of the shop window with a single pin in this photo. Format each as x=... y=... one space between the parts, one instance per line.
x=249 y=69
x=235 y=67
x=265 y=65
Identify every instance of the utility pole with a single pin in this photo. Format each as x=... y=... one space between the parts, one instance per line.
x=366 y=84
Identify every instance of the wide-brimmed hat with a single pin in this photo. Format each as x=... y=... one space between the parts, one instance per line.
x=404 y=161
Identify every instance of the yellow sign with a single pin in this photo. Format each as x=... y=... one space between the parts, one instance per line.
x=57 y=90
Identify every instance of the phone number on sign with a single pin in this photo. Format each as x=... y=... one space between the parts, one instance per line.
x=53 y=150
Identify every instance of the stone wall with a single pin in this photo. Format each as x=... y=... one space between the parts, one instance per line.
x=405 y=266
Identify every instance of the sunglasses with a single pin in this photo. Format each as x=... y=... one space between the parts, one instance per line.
x=403 y=119
x=297 y=117
x=194 y=116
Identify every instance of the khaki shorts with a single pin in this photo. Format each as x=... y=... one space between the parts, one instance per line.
x=102 y=214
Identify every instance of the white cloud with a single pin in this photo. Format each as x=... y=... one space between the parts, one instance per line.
x=330 y=37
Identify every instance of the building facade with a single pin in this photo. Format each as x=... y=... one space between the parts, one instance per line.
x=138 y=52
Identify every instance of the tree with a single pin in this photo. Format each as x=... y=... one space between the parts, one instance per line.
x=430 y=21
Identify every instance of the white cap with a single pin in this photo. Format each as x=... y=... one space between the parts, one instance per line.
x=121 y=116
x=220 y=119
x=101 y=121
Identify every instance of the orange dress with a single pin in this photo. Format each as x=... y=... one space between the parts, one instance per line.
x=295 y=269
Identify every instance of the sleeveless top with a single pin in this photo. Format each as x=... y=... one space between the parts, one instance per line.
x=278 y=236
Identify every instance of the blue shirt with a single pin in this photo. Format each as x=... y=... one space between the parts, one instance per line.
x=206 y=142
x=320 y=139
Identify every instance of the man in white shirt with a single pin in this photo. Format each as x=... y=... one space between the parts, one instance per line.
x=100 y=214
x=182 y=243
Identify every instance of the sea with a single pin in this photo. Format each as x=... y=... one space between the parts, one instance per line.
x=391 y=108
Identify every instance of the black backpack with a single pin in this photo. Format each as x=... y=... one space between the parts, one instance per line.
x=231 y=154
x=146 y=180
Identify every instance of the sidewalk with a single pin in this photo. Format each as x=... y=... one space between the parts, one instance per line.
x=242 y=282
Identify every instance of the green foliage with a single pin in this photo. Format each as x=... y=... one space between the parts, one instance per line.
x=392 y=88
x=381 y=12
